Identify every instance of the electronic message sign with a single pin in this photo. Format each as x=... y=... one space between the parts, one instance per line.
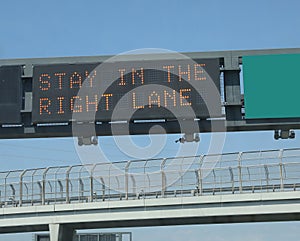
x=271 y=86
x=10 y=94
x=149 y=89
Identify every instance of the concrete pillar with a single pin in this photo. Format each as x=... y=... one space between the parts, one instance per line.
x=60 y=232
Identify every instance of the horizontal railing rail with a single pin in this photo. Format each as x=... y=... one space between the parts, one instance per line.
x=244 y=172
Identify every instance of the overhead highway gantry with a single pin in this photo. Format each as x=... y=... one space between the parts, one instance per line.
x=38 y=95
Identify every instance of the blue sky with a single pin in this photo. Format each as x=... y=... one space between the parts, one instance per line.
x=36 y=28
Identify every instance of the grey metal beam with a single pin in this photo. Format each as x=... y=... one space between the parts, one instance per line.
x=95 y=59
x=143 y=128
x=229 y=60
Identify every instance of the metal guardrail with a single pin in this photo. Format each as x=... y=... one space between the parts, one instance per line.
x=244 y=172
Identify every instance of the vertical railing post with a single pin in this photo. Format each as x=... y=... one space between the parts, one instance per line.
x=163 y=177
x=126 y=180
x=240 y=172
x=41 y=190
x=109 y=182
x=92 y=183
x=200 y=181
x=68 y=185
x=267 y=174
x=13 y=197
x=44 y=186
x=103 y=188
x=232 y=179
x=21 y=188
x=33 y=194
x=281 y=169
x=92 y=189
x=134 y=189
x=146 y=176
x=5 y=186
x=163 y=183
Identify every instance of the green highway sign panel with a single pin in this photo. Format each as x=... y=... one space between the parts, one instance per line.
x=271 y=86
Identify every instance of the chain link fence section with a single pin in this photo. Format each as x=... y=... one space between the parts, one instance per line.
x=244 y=172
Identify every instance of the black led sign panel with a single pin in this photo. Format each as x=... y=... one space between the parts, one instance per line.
x=141 y=90
x=10 y=94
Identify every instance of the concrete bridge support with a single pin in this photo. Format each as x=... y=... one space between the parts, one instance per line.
x=59 y=232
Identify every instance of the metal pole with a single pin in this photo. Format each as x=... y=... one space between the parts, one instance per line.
x=232 y=179
x=240 y=171
x=163 y=177
x=200 y=181
x=67 y=185
x=92 y=183
x=21 y=188
x=126 y=179
x=44 y=186
x=5 y=186
x=103 y=188
x=281 y=169
x=267 y=176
